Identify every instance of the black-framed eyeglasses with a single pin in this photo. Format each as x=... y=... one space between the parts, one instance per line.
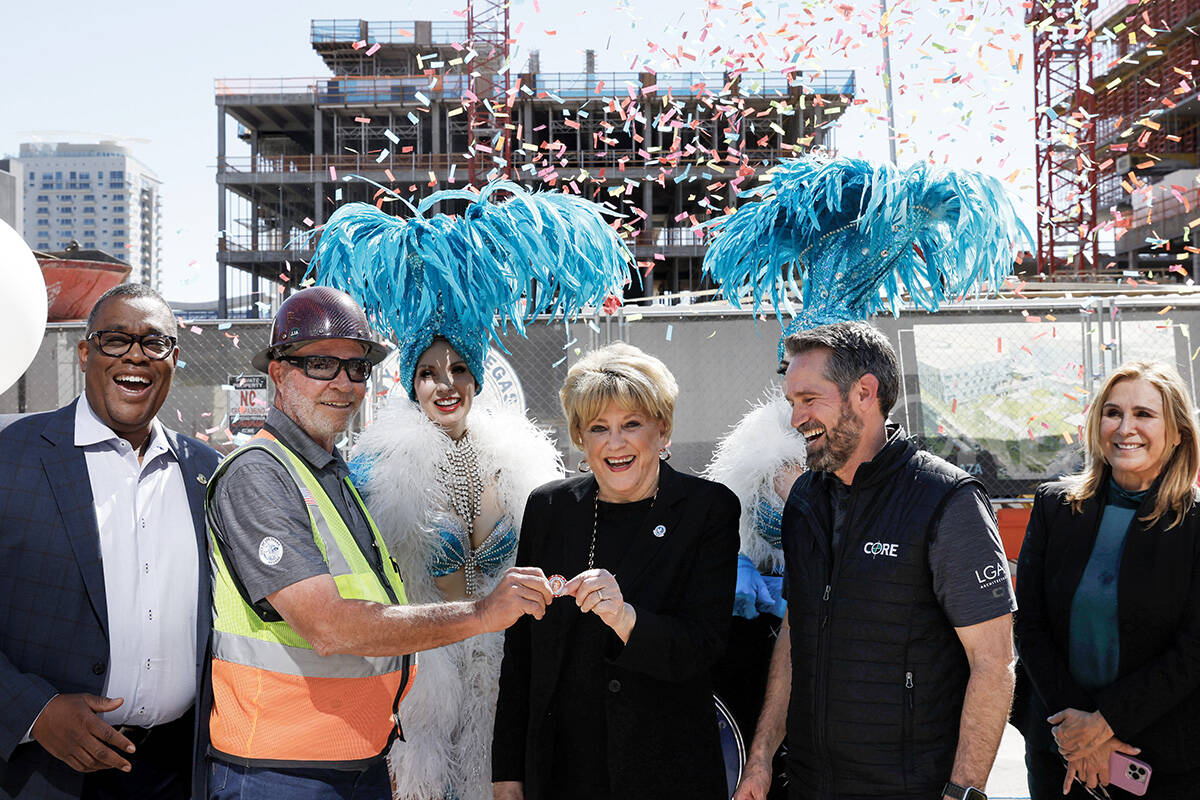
x=326 y=368
x=155 y=346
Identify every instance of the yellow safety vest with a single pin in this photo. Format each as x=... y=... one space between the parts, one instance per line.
x=275 y=701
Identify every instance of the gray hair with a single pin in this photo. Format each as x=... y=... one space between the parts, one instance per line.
x=855 y=349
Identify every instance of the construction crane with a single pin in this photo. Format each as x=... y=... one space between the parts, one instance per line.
x=1065 y=150
x=489 y=108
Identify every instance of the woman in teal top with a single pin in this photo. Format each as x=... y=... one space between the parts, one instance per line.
x=1108 y=589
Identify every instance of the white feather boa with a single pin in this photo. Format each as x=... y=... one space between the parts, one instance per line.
x=448 y=714
x=747 y=459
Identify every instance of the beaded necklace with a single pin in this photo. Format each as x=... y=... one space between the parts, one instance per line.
x=459 y=473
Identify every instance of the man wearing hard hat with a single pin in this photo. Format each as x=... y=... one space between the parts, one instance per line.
x=312 y=636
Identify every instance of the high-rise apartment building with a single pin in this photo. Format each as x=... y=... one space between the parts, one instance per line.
x=96 y=194
x=10 y=194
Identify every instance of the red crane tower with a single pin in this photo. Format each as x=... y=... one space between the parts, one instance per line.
x=1065 y=160
x=487 y=113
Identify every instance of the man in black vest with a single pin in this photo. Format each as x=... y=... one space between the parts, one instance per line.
x=896 y=673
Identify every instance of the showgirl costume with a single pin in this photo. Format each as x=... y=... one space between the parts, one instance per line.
x=447 y=716
x=462 y=279
x=847 y=237
x=747 y=459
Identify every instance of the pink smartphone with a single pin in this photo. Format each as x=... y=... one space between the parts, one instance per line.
x=1128 y=773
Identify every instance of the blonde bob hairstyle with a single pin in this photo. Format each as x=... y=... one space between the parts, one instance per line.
x=1178 y=476
x=620 y=373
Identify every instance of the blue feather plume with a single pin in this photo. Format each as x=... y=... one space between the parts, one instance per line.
x=836 y=232
x=467 y=278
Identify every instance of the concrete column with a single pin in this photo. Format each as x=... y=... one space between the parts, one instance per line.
x=648 y=204
x=436 y=112
x=648 y=231
x=254 y=204
x=222 y=287
x=318 y=150
x=318 y=131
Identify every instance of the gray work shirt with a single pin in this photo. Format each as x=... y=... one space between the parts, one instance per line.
x=256 y=500
x=966 y=556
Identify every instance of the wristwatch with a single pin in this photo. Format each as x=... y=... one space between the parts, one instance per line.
x=952 y=789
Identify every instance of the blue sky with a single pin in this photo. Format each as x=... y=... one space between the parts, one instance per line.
x=143 y=72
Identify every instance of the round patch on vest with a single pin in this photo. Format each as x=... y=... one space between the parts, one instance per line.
x=270 y=551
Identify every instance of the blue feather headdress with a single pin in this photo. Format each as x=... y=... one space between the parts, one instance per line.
x=467 y=278
x=836 y=231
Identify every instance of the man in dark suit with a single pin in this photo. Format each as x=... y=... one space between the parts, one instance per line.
x=104 y=576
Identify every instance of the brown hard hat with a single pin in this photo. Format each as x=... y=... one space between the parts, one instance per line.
x=313 y=314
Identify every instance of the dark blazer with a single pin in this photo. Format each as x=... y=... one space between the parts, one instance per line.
x=1155 y=702
x=53 y=612
x=661 y=722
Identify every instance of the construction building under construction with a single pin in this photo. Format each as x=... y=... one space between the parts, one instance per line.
x=1115 y=91
x=1147 y=63
x=421 y=106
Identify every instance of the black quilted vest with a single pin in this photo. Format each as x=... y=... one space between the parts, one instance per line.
x=878 y=673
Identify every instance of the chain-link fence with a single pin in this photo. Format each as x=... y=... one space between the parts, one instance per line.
x=997 y=387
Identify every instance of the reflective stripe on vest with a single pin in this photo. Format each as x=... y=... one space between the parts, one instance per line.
x=276 y=702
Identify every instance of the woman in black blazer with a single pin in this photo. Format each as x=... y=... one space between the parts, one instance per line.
x=609 y=694
x=1108 y=589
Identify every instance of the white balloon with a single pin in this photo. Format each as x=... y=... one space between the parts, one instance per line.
x=22 y=306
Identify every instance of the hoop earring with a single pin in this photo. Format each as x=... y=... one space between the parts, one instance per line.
x=664 y=454
x=583 y=466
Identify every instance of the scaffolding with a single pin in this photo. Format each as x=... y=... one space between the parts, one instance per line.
x=1065 y=149
x=488 y=111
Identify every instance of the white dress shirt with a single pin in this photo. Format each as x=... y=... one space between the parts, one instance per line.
x=148 y=550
